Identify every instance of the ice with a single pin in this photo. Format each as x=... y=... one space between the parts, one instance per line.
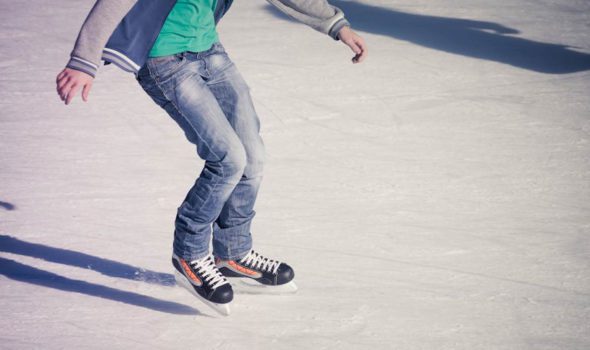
x=435 y=196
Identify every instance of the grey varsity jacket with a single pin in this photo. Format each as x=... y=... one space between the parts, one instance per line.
x=107 y=15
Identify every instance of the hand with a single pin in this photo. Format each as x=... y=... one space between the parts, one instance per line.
x=355 y=42
x=69 y=81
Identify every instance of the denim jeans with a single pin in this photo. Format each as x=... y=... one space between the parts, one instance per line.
x=208 y=98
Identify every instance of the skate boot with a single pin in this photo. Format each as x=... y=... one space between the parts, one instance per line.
x=202 y=279
x=255 y=273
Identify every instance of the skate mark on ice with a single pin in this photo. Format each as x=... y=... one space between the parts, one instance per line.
x=272 y=112
x=433 y=267
x=27 y=274
x=106 y=267
x=7 y=206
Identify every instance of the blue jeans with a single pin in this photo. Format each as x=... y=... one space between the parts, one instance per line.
x=208 y=98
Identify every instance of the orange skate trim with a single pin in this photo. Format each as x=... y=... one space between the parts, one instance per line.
x=241 y=268
x=189 y=272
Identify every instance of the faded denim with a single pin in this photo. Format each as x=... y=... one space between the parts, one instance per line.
x=208 y=98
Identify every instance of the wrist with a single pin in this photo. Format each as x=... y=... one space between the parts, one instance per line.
x=82 y=65
x=343 y=32
x=337 y=28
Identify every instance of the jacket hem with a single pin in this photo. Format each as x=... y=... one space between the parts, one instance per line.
x=82 y=65
x=120 y=60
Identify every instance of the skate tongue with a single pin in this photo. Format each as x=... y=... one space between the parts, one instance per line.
x=207 y=268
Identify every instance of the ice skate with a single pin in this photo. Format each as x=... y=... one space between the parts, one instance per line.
x=255 y=274
x=203 y=279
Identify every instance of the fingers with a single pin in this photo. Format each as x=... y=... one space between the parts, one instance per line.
x=72 y=93
x=62 y=84
x=64 y=87
x=354 y=47
x=86 y=92
x=68 y=83
x=357 y=45
x=360 y=57
x=62 y=93
x=60 y=76
x=63 y=81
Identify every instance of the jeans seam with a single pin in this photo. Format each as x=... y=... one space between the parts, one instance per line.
x=158 y=85
x=182 y=115
x=225 y=69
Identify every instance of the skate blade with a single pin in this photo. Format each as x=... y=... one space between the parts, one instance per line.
x=222 y=309
x=249 y=286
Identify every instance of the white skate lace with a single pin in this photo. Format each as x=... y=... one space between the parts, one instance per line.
x=259 y=262
x=206 y=268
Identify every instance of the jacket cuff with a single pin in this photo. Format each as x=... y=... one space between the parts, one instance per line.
x=335 y=29
x=82 y=65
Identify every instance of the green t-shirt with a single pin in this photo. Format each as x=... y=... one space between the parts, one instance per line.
x=190 y=26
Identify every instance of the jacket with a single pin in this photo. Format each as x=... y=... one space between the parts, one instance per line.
x=123 y=32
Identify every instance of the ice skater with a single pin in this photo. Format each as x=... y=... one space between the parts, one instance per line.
x=173 y=48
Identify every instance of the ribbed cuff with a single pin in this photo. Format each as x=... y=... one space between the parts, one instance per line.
x=82 y=65
x=336 y=28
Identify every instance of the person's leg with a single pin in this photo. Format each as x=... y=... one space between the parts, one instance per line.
x=231 y=231
x=232 y=241
x=178 y=84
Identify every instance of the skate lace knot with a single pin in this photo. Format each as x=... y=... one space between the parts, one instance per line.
x=257 y=261
x=207 y=269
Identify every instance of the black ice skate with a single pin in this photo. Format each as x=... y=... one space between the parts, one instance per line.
x=255 y=273
x=202 y=278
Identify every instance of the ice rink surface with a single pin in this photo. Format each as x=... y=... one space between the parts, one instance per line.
x=436 y=196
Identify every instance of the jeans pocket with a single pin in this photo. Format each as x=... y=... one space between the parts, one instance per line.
x=163 y=67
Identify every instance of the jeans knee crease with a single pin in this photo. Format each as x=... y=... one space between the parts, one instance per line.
x=173 y=102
